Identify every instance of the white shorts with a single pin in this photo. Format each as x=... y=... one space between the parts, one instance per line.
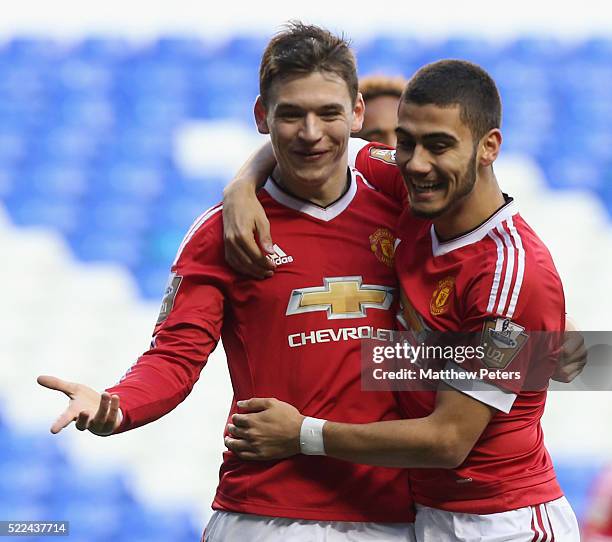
x=548 y=522
x=232 y=527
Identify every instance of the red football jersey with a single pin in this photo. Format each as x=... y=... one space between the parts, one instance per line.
x=296 y=337
x=498 y=280
x=500 y=274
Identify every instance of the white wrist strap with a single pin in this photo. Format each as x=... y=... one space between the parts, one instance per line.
x=311 y=436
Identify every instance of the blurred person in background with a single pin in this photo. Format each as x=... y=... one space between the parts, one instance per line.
x=296 y=335
x=381 y=95
x=597 y=526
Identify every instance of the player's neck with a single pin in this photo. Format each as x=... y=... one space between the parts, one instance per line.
x=322 y=194
x=474 y=209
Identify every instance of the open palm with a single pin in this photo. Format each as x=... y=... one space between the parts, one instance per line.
x=98 y=412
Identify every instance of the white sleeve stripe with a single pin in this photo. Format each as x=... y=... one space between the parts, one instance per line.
x=503 y=298
x=520 y=269
x=498 y=269
x=195 y=227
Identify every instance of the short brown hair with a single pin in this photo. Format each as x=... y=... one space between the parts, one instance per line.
x=374 y=86
x=458 y=82
x=304 y=49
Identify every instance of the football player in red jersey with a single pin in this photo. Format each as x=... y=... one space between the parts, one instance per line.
x=296 y=336
x=488 y=475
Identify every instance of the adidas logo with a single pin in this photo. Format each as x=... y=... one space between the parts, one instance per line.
x=279 y=257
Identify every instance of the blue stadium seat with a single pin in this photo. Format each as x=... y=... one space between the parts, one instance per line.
x=102 y=50
x=33 y=49
x=59 y=180
x=13 y=145
x=180 y=49
x=78 y=78
x=55 y=213
x=149 y=78
x=140 y=144
x=245 y=50
x=86 y=112
x=150 y=112
x=136 y=180
x=596 y=50
x=537 y=50
x=481 y=51
x=114 y=247
x=72 y=145
x=112 y=215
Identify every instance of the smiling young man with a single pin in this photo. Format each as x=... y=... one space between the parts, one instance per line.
x=295 y=336
x=488 y=475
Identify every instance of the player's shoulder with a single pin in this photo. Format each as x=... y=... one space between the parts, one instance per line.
x=204 y=236
x=362 y=151
x=513 y=272
x=515 y=246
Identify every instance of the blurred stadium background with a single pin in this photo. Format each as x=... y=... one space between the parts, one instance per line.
x=119 y=126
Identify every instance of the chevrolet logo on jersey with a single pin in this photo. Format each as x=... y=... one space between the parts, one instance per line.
x=340 y=297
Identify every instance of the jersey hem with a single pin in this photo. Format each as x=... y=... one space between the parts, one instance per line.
x=227 y=504
x=503 y=500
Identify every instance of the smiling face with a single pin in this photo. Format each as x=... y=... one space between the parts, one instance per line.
x=310 y=118
x=437 y=156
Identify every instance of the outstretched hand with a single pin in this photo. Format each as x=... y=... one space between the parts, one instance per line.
x=269 y=429
x=97 y=412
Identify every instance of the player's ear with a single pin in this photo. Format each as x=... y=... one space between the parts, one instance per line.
x=261 y=117
x=490 y=145
x=358 y=112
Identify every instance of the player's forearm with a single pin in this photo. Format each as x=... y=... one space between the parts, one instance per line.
x=403 y=443
x=151 y=390
x=254 y=172
x=164 y=376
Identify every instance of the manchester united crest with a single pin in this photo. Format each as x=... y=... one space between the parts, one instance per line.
x=382 y=243
x=441 y=297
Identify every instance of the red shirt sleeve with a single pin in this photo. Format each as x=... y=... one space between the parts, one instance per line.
x=377 y=163
x=187 y=331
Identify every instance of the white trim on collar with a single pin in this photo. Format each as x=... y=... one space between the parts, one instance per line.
x=322 y=213
x=440 y=248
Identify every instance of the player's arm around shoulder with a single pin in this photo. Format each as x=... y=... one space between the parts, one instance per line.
x=376 y=162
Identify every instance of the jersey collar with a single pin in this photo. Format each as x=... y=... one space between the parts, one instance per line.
x=439 y=248
x=322 y=213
